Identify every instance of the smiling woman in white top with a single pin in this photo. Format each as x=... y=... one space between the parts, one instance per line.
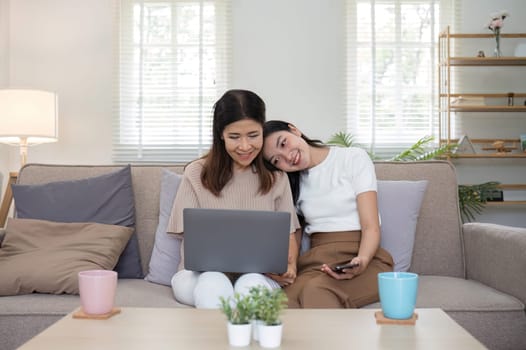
x=334 y=191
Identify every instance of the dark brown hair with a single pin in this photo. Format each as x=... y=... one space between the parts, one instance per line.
x=233 y=106
x=273 y=126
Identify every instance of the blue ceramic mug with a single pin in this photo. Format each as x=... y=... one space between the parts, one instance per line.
x=398 y=292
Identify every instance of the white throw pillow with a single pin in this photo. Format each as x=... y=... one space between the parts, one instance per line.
x=399 y=205
x=166 y=253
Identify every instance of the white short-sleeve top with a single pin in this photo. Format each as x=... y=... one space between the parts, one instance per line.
x=328 y=191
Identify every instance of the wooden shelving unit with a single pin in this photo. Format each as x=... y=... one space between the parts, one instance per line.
x=517 y=187
x=452 y=102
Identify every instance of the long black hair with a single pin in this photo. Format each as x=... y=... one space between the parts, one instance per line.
x=273 y=126
x=233 y=106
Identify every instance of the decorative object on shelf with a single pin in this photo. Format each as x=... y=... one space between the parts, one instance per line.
x=481 y=54
x=494 y=196
x=510 y=98
x=495 y=25
x=523 y=141
x=499 y=146
x=464 y=146
x=468 y=101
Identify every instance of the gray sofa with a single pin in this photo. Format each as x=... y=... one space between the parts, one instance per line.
x=474 y=272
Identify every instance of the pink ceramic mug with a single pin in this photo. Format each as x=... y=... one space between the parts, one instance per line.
x=97 y=291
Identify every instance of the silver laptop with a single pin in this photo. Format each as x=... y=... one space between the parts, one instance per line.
x=229 y=240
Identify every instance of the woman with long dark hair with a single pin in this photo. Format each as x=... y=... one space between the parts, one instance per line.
x=232 y=176
x=334 y=190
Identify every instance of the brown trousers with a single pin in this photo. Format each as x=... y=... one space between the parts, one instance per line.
x=313 y=288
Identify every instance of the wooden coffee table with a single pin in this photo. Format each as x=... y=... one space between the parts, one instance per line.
x=169 y=328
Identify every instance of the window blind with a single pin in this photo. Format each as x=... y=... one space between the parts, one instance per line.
x=173 y=64
x=391 y=70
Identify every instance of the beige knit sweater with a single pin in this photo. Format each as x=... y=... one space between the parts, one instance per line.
x=240 y=193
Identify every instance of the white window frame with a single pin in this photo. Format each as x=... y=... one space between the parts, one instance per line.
x=157 y=118
x=386 y=142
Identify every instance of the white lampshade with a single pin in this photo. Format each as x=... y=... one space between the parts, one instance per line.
x=28 y=117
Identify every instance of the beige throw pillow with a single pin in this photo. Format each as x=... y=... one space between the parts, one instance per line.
x=45 y=256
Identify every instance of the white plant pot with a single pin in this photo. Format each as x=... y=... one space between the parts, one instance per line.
x=239 y=334
x=255 y=329
x=270 y=336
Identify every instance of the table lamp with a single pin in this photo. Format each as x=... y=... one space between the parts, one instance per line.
x=27 y=117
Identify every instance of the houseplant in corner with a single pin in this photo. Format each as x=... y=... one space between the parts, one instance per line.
x=268 y=306
x=472 y=198
x=239 y=312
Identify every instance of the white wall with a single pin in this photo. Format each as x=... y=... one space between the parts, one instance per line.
x=4 y=80
x=66 y=46
x=290 y=52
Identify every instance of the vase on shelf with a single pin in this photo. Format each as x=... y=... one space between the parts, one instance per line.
x=497 y=52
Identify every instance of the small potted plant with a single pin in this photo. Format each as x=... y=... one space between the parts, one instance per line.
x=239 y=311
x=268 y=306
x=257 y=293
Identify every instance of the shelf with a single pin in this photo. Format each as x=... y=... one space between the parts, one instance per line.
x=494 y=95
x=508 y=187
x=444 y=34
x=485 y=61
x=502 y=203
x=454 y=72
x=501 y=156
x=482 y=140
x=484 y=108
x=519 y=187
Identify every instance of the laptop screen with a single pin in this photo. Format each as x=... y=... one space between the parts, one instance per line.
x=231 y=240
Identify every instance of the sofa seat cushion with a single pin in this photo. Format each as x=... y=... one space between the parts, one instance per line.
x=457 y=294
x=138 y=293
x=130 y=293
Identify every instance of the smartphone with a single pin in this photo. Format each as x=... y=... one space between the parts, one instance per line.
x=340 y=268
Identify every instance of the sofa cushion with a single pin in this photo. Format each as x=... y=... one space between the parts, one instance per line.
x=399 y=205
x=457 y=294
x=106 y=199
x=45 y=256
x=166 y=253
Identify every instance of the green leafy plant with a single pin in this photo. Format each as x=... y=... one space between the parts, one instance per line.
x=420 y=150
x=239 y=309
x=472 y=198
x=268 y=304
x=341 y=138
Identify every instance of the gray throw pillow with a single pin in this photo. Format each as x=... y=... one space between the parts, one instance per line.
x=105 y=199
x=166 y=254
x=399 y=205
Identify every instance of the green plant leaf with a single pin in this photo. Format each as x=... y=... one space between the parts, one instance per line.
x=341 y=138
x=472 y=199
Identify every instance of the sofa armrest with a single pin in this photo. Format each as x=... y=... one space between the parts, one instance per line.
x=495 y=256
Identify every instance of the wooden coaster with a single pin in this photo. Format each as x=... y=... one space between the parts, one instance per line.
x=81 y=314
x=381 y=319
